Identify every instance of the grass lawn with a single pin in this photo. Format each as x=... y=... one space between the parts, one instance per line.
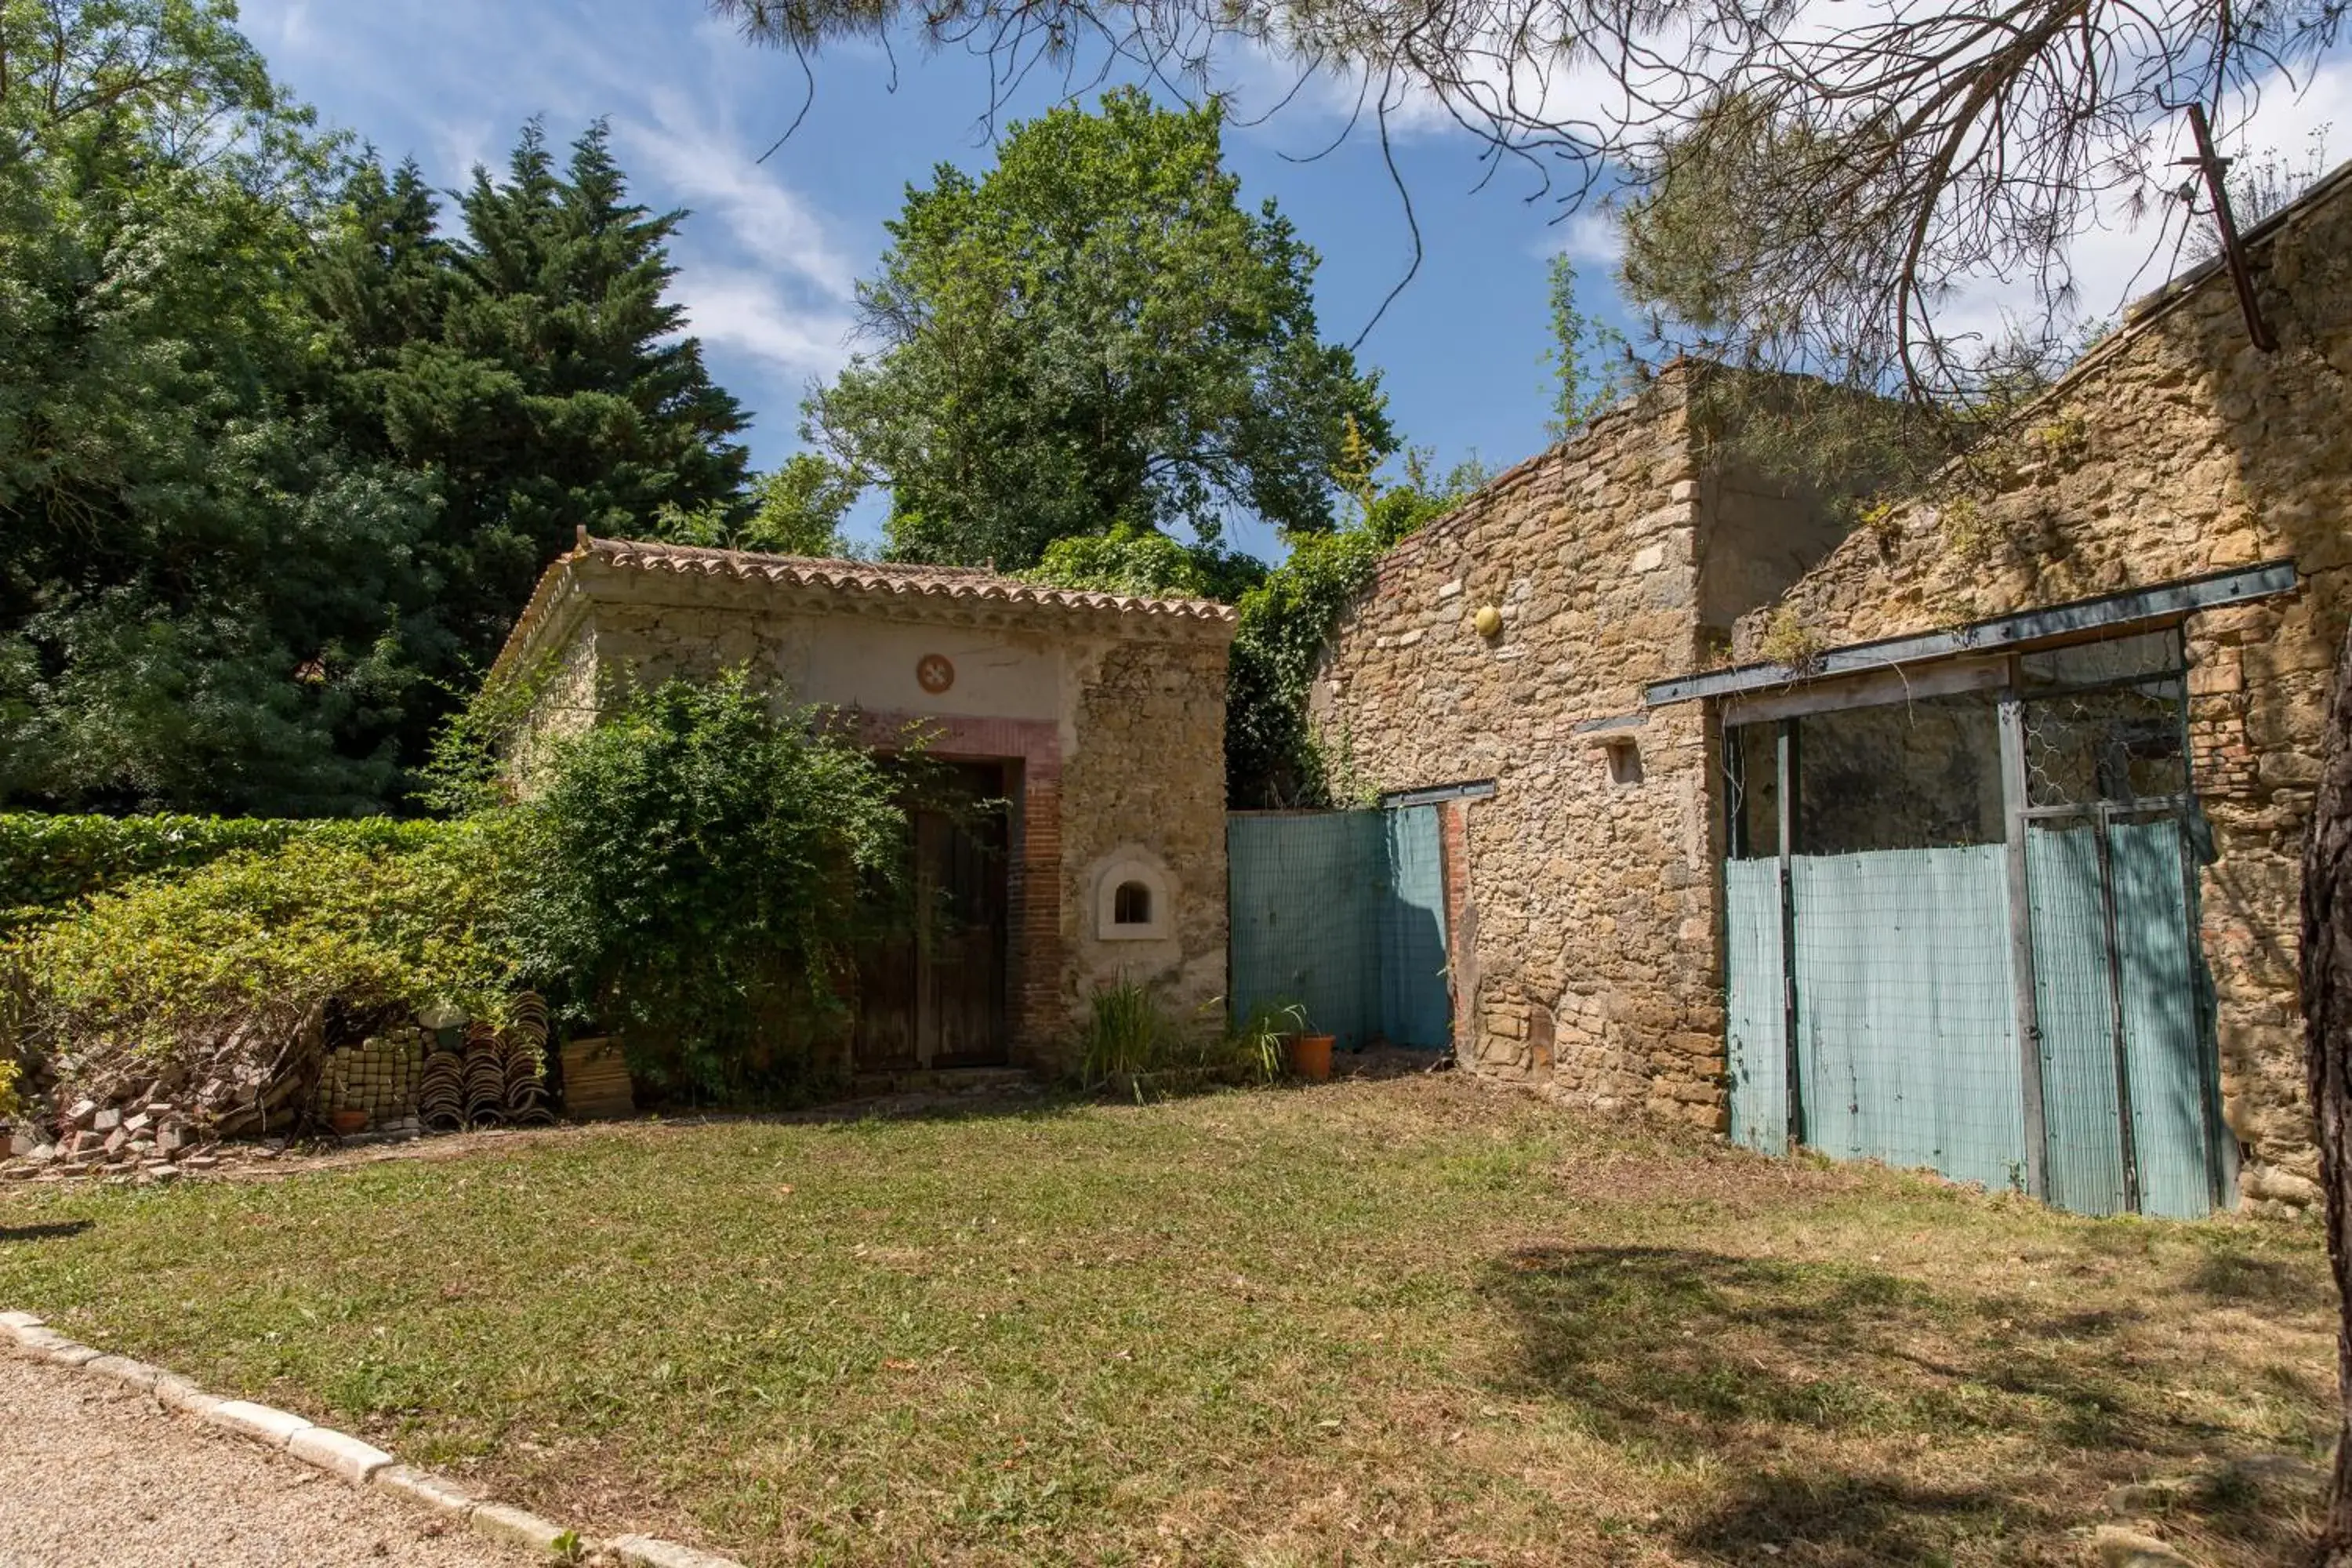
x=1415 y=1321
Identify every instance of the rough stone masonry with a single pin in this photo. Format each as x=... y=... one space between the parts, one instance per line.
x=2176 y=448
x=1591 y=966
x=1619 y=558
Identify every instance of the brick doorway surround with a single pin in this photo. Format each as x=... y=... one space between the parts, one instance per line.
x=1031 y=750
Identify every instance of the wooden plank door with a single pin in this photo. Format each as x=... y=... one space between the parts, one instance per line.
x=959 y=1017
x=934 y=996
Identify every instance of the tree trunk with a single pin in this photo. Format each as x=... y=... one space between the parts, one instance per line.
x=2328 y=1023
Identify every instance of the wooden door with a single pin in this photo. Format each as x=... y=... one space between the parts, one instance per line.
x=934 y=997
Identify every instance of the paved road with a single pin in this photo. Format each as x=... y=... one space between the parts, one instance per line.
x=94 y=1476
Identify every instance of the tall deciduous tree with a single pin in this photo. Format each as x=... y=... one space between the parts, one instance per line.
x=1094 y=333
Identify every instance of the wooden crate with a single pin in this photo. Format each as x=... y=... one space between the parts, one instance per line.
x=596 y=1080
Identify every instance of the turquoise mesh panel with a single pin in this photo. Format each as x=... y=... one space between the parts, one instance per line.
x=1756 y=1043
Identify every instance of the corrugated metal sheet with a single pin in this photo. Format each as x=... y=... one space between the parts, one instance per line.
x=1906 y=1026
x=2076 y=1009
x=1416 y=1004
x=1757 y=1054
x=2164 y=1023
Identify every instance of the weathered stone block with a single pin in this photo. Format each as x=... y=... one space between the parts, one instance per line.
x=437 y=1492
x=513 y=1526
x=271 y=1426
x=338 y=1453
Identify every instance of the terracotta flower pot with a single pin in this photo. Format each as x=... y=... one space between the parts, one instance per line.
x=1310 y=1056
x=349 y=1121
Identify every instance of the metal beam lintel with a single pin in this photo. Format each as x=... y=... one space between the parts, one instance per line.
x=1477 y=789
x=2002 y=634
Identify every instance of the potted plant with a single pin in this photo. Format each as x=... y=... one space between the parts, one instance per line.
x=1309 y=1053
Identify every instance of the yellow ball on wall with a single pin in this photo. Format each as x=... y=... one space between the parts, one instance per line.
x=1488 y=620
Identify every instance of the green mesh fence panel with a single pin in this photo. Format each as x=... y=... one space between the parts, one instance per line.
x=2074 y=1007
x=2165 y=1035
x=1756 y=1044
x=1905 y=1019
x=1343 y=911
x=1416 y=1004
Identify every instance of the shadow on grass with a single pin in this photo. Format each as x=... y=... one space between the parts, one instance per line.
x=1814 y=1385
x=56 y=1232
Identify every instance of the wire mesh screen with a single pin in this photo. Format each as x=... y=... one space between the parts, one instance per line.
x=1907 y=1046
x=1924 y=774
x=1751 y=791
x=1900 y=969
x=1343 y=913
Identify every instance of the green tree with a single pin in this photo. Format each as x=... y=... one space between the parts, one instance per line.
x=795 y=509
x=1273 y=758
x=200 y=593
x=533 y=367
x=1094 y=333
x=1592 y=364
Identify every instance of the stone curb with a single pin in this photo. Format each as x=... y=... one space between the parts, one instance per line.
x=341 y=1455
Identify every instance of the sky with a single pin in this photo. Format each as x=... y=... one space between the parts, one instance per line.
x=769 y=259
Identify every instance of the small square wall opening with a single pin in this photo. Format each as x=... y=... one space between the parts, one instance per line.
x=1624 y=760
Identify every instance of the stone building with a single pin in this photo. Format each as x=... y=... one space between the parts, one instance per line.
x=1508 y=643
x=1097 y=719
x=2106 y=636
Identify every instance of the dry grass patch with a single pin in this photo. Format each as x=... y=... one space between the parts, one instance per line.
x=1409 y=1321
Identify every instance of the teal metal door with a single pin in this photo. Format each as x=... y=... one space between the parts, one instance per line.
x=1417 y=1003
x=2126 y=1062
x=1961 y=932
x=1756 y=1040
x=1906 y=1026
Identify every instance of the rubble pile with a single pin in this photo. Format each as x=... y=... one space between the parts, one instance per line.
x=394 y=1080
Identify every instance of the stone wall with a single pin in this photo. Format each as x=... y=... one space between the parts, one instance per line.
x=2176 y=448
x=1591 y=967
x=1148 y=778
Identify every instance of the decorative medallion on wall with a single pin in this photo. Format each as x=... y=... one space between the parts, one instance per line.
x=934 y=673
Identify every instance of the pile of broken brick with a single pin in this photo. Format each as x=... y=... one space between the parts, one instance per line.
x=149 y=1137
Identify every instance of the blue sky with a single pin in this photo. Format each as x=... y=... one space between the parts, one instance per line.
x=768 y=260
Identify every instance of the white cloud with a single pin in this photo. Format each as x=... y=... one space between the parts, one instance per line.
x=749 y=312
x=712 y=171
x=1589 y=235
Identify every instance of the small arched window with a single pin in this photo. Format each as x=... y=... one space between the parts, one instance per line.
x=1134 y=897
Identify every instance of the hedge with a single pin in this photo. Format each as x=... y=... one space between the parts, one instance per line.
x=48 y=862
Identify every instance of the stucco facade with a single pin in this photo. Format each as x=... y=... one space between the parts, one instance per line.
x=1105 y=712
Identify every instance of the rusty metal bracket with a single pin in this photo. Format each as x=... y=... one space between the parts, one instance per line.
x=2234 y=251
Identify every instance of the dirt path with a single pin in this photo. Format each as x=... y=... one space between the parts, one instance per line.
x=94 y=1476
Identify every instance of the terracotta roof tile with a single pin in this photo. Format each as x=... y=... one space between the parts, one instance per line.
x=864 y=578
x=880 y=577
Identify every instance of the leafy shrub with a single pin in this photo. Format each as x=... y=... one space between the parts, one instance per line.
x=49 y=861
x=1132 y=559
x=700 y=870
x=1127 y=1032
x=256 y=942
